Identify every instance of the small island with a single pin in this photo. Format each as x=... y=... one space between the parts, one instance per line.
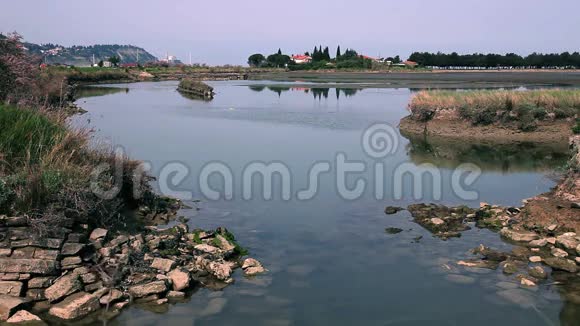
x=196 y=88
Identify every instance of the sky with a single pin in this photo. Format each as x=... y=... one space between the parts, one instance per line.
x=227 y=32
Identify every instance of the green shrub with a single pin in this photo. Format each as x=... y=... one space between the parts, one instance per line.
x=576 y=128
x=7 y=197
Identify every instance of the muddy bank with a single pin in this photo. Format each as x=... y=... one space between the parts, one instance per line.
x=556 y=133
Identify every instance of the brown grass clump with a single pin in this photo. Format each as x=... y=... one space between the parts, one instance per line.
x=499 y=106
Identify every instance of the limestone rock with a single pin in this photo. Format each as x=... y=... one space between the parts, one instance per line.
x=139 y=291
x=557 y=252
x=64 y=286
x=538 y=272
x=535 y=259
x=163 y=264
x=224 y=244
x=519 y=236
x=179 y=279
x=76 y=306
x=568 y=242
x=562 y=264
x=205 y=248
x=98 y=234
x=437 y=221
x=252 y=267
x=22 y=317
x=538 y=243
x=175 y=295
x=71 y=249
x=9 y=304
x=111 y=296
x=12 y=288
x=40 y=282
x=35 y=266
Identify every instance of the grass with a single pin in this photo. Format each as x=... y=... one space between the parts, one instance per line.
x=45 y=171
x=499 y=106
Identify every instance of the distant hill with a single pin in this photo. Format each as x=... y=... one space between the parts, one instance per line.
x=83 y=55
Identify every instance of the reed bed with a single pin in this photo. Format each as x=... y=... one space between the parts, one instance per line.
x=483 y=107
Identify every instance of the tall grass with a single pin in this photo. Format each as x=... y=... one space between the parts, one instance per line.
x=491 y=106
x=45 y=171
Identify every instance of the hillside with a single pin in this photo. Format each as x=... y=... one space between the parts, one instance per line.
x=83 y=55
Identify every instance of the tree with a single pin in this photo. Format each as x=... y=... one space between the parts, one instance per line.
x=100 y=64
x=279 y=51
x=338 y=52
x=326 y=54
x=396 y=59
x=256 y=60
x=278 y=60
x=114 y=60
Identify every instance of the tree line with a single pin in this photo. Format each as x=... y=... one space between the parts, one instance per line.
x=490 y=60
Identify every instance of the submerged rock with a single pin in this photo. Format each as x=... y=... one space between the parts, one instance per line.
x=76 y=306
x=562 y=264
x=390 y=210
x=393 y=230
x=518 y=236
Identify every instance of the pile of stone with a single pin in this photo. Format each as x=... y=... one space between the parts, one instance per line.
x=73 y=271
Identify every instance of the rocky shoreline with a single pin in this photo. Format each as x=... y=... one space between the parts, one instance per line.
x=75 y=272
x=545 y=232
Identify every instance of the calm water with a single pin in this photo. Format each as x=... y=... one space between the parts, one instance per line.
x=330 y=260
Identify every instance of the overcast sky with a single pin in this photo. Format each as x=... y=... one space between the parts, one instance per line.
x=220 y=31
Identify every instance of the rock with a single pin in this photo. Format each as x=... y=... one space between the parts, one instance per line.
x=250 y=262
x=205 y=248
x=568 y=242
x=162 y=301
x=577 y=260
x=393 y=230
x=40 y=282
x=535 y=259
x=551 y=240
x=22 y=317
x=390 y=210
x=538 y=243
x=527 y=282
x=221 y=271
x=94 y=286
x=224 y=244
x=139 y=291
x=175 y=295
x=35 y=294
x=12 y=288
x=98 y=234
x=562 y=264
x=34 y=266
x=575 y=205
x=121 y=305
x=179 y=279
x=552 y=227
x=70 y=262
x=557 y=252
x=488 y=264
x=71 y=249
x=119 y=240
x=518 y=236
x=250 y=271
x=437 y=221
x=46 y=254
x=10 y=304
x=538 y=272
x=76 y=306
x=163 y=264
x=578 y=249
x=509 y=267
x=5 y=252
x=62 y=287
x=111 y=296
x=490 y=254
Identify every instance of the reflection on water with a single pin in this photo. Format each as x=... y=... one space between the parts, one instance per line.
x=489 y=157
x=92 y=91
x=317 y=92
x=195 y=97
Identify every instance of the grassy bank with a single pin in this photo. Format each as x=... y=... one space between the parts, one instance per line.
x=523 y=108
x=46 y=172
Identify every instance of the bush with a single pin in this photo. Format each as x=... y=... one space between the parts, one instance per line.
x=576 y=128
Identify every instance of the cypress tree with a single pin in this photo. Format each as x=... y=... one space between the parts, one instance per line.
x=338 y=52
x=279 y=51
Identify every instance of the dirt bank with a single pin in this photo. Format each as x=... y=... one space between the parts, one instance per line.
x=554 y=132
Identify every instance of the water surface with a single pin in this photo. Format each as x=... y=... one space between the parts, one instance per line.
x=330 y=260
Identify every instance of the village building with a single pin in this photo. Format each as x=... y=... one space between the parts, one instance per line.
x=301 y=58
